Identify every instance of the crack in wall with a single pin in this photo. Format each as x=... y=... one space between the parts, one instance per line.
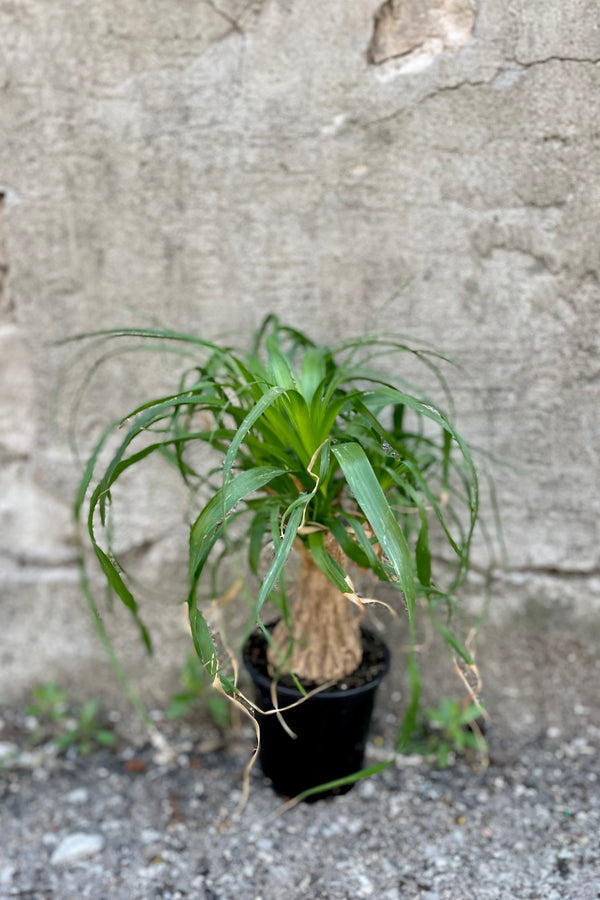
x=514 y=66
x=563 y=59
x=533 y=570
x=26 y=567
x=557 y=572
x=238 y=16
x=7 y=308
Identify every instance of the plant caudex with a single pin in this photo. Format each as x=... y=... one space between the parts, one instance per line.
x=321 y=450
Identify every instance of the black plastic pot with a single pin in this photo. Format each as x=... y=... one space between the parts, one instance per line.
x=330 y=727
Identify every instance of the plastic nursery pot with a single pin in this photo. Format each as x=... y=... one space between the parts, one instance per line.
x=330 y=727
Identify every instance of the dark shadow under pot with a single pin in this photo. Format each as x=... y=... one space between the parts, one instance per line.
x=330 y=727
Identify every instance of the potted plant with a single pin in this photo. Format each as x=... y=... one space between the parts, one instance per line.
x=325 y=453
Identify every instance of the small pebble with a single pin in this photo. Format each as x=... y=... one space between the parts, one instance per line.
x=367 y=789
x=7 y=873
x=79 y=796
x=7 y=750
x=151 y=836
x=76 y=847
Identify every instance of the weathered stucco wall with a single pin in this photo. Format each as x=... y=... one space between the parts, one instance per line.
x=430 y=166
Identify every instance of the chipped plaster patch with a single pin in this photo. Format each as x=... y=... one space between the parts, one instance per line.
x=412 y=33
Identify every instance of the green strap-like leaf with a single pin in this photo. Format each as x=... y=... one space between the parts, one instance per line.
x=203 y=533
x=256 y=534
x=371 y=499
x=423 y=553
x=326 y=563
x=89 y=469
x=348 y=779
x=409 y=720
x=281 y=556
x=374 y=563
x=122 y=591
x=453 y=642
x=313 y=371
x=255 y=413
x=203 y=642
x=350 y=547
x=280 y=369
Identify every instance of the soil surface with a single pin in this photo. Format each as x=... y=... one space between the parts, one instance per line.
x=373 y=665
x=150 y=820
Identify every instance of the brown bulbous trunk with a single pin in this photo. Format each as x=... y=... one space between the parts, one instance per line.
x=326 y=642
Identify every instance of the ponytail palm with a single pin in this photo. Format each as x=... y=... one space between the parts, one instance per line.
x=322 y=450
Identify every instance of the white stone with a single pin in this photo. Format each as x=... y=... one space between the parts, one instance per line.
x=367 y=788
x=6 y=873
x=78 y=797
x=76 y=847
x=7 y=751
x=150 y=836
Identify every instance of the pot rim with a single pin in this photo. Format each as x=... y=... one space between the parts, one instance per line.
x=293 y=693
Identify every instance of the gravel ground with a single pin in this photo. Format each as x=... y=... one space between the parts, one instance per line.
x=139 y=824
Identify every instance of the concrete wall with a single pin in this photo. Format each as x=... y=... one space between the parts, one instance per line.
x=430 y=166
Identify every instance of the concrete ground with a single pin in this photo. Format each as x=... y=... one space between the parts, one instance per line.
x=147 y=821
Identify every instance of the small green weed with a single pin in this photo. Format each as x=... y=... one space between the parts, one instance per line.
x=451 y=729
x=198 y=694
x=49 y=702
x=57 y=719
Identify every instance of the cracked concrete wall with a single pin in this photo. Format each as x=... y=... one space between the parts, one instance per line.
x=204 y=164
